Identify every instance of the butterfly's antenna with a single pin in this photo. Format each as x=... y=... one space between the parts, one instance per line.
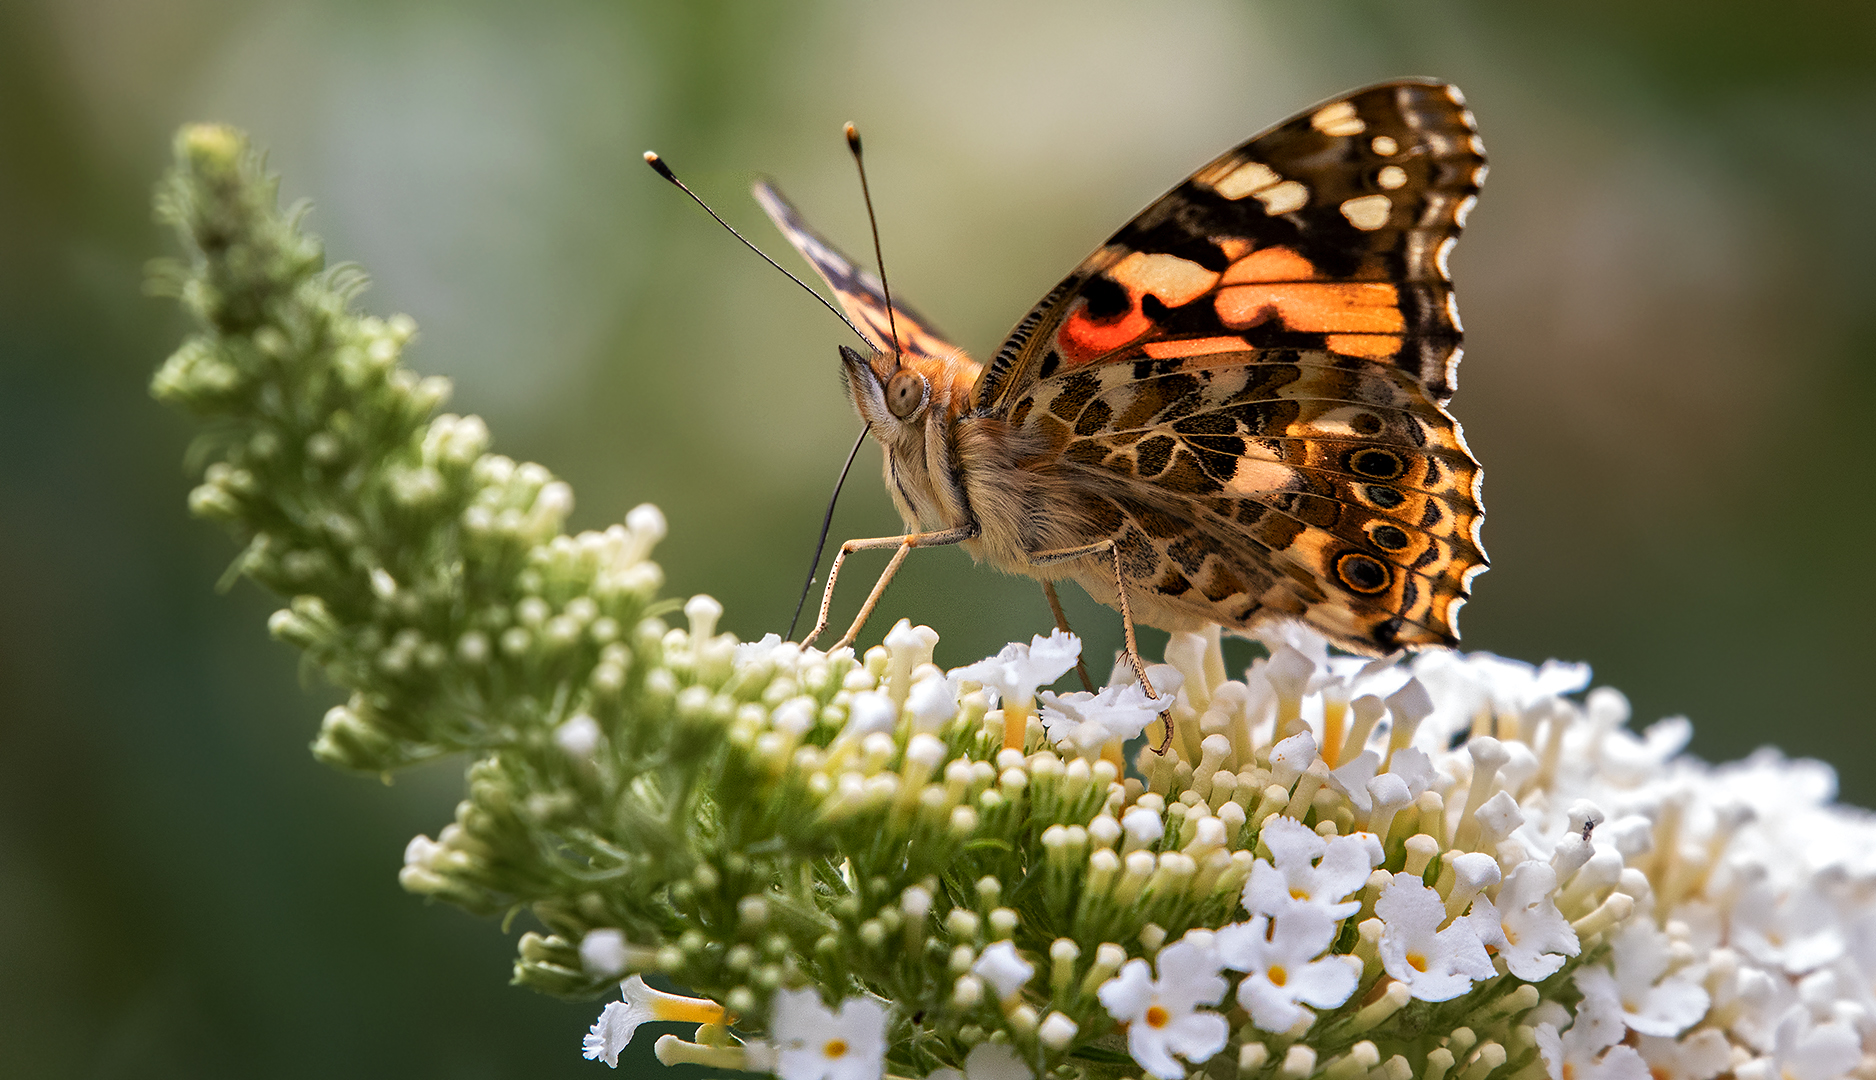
x=827 y=520
x=859 y=162
x=658 y=166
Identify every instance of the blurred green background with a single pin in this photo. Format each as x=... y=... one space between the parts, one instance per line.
x=1669 y=378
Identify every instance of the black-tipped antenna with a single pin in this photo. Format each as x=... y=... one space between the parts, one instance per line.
x=879 y=257
x=658 y=166
x=827 y=521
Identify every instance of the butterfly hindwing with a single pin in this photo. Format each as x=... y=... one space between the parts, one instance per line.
x=859 y=291
x=1265 y=353
x=1275 y=483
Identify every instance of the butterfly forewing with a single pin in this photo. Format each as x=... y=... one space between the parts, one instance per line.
x=1251 y=374
x=859 y=291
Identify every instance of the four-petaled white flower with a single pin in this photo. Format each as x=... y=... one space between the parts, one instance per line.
x=1090 y=721
x=1436 y=965
x=1001 y=967
x=1702 y=1055
x=1588 y=1050
x=1530 y=934
x=1016 y=671
x=1279 y=959
x=1804 y=1050
x=1298 y=879
x=619 y=1020
x=1651 y=1004
x=1162 y=1015
x=813 y=1042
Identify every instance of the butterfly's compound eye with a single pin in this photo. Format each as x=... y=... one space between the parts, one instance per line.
x=905 y=392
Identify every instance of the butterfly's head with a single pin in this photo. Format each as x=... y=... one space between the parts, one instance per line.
x=890 y=391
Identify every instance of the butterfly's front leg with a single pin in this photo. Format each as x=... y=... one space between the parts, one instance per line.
x=968 y=531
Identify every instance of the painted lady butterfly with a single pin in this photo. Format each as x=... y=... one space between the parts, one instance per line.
x=1233 y=411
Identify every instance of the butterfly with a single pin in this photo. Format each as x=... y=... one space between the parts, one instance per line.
x=1232 y=412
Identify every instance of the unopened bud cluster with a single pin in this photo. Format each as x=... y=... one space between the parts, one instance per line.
x=1443 y=866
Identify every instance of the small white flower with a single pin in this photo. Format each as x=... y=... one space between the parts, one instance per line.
x=1436 y=964
x=1289 y=671
x=1414 y=768
x=1001 y=967
x=1587 y=1051
x=1279 y=959
x=1090 y=721
x=756 y=652
x=1144 y=827
x=1531 y=935
x=620 y=1019
x=932 y=701
x=1352 y=779
x=1651 y=1004
x=1016 y=671
x=578 y=738
x=911 y=644
x=1298 y=879
x=1803 y=1050
x=872 y=711
x=1702 y=1055
x=1162 y=1015
x=814 y=1042
x=1796 y=931
x=1291 y=757
x=603 y=953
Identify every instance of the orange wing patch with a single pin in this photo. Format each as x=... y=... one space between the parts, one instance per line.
x=1360 y=318
x=1366 y=346
x=1165 y=350
x=1171 y=279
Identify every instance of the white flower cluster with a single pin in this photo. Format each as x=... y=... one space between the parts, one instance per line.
x=1584 y=902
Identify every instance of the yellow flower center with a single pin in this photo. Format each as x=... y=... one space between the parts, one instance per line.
x=1417 y=961
x=1277 y=975
x=834 y=1048
x=1157 y=1016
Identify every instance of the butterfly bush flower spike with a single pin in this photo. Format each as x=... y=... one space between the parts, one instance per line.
x=1443 y=865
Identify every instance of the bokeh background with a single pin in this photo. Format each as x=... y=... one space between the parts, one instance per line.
x=1669 y=378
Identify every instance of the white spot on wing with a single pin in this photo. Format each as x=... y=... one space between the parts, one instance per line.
x=1442 y=253
x=1284 y=198
x=1367 y=212
x=1255 y=477
x=1391 y=177
x=1247 y=178
x=1464 y=210
x=1385 y=146
x=1337 y=119
x=1452 y=311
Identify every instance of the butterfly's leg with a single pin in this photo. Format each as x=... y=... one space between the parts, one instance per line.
x=1044 y=558
x=904 y=544
x=1061 y=623
x=1126 y=617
